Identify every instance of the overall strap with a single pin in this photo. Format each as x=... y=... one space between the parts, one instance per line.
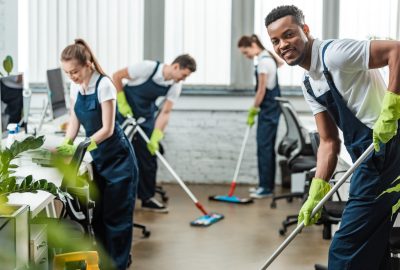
x=98 y=82
x=326 y=72
x=155 y=70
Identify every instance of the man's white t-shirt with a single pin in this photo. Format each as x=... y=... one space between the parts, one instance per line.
x=105 y=91
x=347 y=60
x=266 y=65
x=140 y=73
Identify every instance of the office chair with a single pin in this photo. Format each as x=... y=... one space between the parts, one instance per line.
x=299 y=155
x=129 y=127
x=331 y=211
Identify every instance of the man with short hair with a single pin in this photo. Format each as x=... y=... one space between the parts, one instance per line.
x=344 y=89
x=147 y=81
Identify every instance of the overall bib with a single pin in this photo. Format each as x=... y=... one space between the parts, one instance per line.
x=142 y=99
x=362 y=240
x=116 y=179
x=267 y=127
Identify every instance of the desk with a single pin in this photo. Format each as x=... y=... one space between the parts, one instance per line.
x=41 y=200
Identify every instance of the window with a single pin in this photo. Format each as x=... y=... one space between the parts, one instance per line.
x=202 y=29
x=369 y=19
x=312 y=9
x=113 y=30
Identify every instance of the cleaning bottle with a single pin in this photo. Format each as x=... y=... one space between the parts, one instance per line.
x=12 y=130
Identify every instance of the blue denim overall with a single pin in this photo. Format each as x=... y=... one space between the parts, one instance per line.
x=267 y=127
x=362 y=240
x=116 y=178
x=142 y=100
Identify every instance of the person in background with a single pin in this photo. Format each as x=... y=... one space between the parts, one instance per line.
x=93 y=105
x=267 y=109
x=147 y=81
x=345 y=89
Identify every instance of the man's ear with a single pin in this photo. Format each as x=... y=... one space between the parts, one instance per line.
x=306 y=29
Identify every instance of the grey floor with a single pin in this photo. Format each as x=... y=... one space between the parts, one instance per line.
x=243 y=240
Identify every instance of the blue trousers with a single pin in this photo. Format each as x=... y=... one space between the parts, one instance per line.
x=267 y=127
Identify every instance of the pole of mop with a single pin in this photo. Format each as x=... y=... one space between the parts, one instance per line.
x=318 y=207
x=239 y=162
x=174 y=174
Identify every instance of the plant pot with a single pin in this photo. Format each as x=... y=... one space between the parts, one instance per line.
x=14 y=238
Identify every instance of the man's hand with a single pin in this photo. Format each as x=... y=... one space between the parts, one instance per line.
x=123 y=105
x=318 y=189
x=386 y=126
x=153 y=145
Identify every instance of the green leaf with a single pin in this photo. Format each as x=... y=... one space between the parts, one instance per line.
x=8 y=64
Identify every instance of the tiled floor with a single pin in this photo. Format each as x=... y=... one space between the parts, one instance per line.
x=243 y=240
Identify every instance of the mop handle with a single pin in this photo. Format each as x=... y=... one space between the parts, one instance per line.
x=239 y=162
x=164 y=161
x=319 y=206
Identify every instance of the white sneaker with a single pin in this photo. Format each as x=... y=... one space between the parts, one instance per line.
x=253 y=189
x=154 y=206
x=261 y=193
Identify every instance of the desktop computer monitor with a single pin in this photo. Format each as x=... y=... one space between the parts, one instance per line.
x=56 y=84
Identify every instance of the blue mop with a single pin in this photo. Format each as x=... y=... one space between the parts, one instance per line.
x=230 y=198
x=203 y=221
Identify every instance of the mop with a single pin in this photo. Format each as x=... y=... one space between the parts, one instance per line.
x=209 y=218
x=230 y=198
x=318 y=207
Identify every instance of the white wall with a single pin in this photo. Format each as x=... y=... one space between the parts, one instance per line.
x=203 y=140
x=9 y=32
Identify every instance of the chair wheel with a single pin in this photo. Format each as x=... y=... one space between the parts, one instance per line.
x=146 y=234
x=327 y=232
x=129 y=261
x=289 y=200
x=282 y=231
x=273 y=205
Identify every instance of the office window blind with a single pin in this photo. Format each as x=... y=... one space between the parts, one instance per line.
x=202 y=29
x=369 y=19
x=113 y=29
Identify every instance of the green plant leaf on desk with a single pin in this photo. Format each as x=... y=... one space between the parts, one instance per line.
x=8 y=183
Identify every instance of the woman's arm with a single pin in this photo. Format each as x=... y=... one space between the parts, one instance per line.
x=108 y=119
x=261 y=89
x=73 y=122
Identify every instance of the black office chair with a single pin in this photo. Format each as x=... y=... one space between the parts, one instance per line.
x=129 y=127
x=299 y=155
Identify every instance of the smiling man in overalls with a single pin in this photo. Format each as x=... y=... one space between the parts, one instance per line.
x=147 y=81
x=345 y=89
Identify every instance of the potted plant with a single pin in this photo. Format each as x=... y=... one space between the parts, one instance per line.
x=14 y=236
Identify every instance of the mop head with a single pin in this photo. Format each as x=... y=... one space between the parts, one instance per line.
x=207 y=220
x=230 y=199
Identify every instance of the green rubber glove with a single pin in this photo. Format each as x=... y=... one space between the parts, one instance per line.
x=318 y=189
x=253 y=111
x=123 y=106
x=92 y=146
x=386 y=125
x=156 y=136
x=67 y=148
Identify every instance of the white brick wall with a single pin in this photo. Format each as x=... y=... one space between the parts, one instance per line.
x=203 y=146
